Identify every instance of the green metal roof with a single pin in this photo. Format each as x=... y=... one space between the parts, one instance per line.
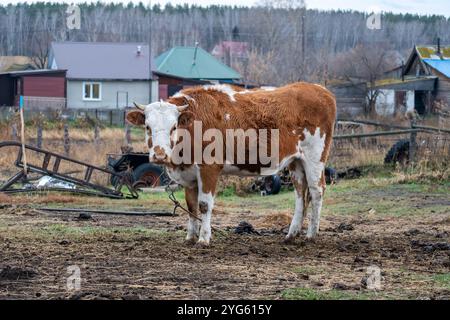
x=193 y=63
x=430 y=52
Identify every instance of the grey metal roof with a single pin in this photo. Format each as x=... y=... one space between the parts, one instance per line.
x=102 y=60
x=32 y=72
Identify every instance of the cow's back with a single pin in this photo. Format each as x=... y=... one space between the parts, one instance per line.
x=298 y=104
x=290 y=109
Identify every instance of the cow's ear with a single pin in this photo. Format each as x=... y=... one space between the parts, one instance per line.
x=185 y=119
x=136 y=117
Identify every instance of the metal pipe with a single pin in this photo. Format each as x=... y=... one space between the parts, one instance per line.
x=127 y=213
x=373 y=123
x=431 y=128
x=376 y=134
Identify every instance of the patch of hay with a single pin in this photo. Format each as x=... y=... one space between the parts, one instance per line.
x=276 y=220
x=241 y=185
x=5 y=199
x=54 y=198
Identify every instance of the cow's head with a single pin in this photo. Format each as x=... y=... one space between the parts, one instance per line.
x=160 y=120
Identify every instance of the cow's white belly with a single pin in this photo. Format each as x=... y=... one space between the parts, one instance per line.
x=232 y=170
x=264 y=171
x=187 y=177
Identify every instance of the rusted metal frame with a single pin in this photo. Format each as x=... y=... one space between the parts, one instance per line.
x=54 y=173
x=69 y=179
x=61 y=157
x=11 y=181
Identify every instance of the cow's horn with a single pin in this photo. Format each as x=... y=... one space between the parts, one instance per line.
x=139 y=106
x=182 y=108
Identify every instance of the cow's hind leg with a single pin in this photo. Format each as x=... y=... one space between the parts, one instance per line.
x=191 y=195
x=300 y=184
x=313 y=151
x=316 y=184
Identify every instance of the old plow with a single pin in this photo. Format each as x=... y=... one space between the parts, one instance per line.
x=54 y=172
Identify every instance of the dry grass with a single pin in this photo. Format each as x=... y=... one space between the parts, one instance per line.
x=240 y=185
x=4 y=198
x=423 y=172
x=433 y=152
x=277 y=220
x=43 y=199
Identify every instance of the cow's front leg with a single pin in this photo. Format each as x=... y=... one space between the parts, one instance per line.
x=191 y=195
x=207 y=181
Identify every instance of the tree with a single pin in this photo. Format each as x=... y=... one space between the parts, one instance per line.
x=40 y=51
x=364 y=63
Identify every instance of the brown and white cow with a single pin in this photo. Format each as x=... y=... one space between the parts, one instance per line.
x=303 y=115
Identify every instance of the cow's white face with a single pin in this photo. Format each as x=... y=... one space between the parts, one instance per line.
x=160 y=121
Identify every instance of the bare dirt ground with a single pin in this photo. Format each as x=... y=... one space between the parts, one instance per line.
x=404 y=229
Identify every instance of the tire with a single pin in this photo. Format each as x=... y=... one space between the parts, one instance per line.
x=148 y=175
x=330 y=175
x=399 y=153
x=114 y=181
x=272 y=185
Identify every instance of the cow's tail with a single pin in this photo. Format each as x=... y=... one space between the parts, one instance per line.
x=306 y=198
x=307 y=195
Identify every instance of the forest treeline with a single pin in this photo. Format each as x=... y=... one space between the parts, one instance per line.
x=286 y=43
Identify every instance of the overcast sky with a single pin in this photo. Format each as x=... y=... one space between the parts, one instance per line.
x=441 y=7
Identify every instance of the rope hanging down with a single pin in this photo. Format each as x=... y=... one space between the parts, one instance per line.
x=22 y=136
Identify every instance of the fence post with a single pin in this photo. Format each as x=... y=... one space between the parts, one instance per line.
x=66 y=139
x=15 y=135
x=127 y=134
x=96 y=133
x=412 y=142
x=39 y=134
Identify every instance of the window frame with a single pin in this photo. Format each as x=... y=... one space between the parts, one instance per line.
x=91 y=84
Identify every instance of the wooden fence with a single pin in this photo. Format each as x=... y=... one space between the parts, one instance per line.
x=110 y=117
x=397 y=132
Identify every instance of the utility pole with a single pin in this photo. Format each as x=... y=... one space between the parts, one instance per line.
x=150 y=50
x=303 y=17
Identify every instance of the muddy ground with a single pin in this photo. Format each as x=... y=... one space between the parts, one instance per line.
x=402 y=229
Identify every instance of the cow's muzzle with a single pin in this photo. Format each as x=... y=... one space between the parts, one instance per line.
x=159 y=155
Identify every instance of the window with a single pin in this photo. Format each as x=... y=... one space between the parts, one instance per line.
x=92 y=91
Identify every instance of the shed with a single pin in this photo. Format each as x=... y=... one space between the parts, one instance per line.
x=41 y=89
x=424 y=81
x=181 y=67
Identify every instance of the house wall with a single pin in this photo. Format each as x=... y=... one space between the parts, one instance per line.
x=387 y=102
x=410 y=100
x=168 y=86
x=350 y=99
x=138 y=91
x=443 y=88
x=44 y=86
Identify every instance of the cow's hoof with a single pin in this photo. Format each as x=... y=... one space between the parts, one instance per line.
x=311 y=239
x=289 y=240
x=202 y=244
x=190 y=241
